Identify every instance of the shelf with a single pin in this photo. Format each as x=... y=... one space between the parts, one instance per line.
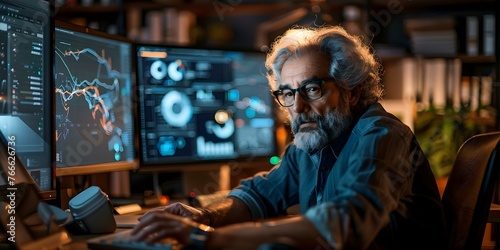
x=477 y=59
x=107 y=18
x=480 y=59
x=433 y=6
x=95 y=9
x=217 y=8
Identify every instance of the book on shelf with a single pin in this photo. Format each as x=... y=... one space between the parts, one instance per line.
x=489 y=35
x=472 y=35
x=432 y=36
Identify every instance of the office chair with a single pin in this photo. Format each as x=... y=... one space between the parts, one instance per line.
x=469 y=192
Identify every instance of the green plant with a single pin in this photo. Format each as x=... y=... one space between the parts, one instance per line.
x=441 y=132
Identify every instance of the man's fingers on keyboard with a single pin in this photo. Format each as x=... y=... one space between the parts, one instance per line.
x=144 y=221
x=148 y=218
x=156 y=230
x=153 y=211
x=158 y=236
x=145 y=233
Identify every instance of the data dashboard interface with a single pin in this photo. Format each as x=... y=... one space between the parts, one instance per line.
x=202 y=105
x=25 y=86
x=93 y=97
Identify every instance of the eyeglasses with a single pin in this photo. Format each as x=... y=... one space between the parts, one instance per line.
x=309 y=91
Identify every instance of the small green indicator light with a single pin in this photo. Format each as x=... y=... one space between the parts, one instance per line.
x=274 y=160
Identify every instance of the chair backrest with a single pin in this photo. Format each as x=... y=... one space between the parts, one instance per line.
x=469 y=191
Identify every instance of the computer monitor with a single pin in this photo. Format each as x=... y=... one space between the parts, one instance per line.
x=94 y=114
x=200 y=106
x=25 y=87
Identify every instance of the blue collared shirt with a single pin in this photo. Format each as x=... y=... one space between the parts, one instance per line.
x=378 y=189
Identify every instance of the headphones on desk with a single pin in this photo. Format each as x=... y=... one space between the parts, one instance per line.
x=89 y=212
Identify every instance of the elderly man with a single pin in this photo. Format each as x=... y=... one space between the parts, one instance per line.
x=356 y=171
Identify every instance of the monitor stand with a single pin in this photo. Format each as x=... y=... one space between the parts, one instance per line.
x=68 y=186
x=66 y=190
x=120 y=194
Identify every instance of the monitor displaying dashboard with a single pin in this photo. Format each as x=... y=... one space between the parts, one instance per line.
x=203 y=105
x=94 y=114
x=25 y=88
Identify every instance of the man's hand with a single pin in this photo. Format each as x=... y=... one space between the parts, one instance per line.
x=157 y=225
x=183 y=210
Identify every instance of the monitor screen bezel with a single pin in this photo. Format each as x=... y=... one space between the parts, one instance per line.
x=110 y=166
x=244 y=161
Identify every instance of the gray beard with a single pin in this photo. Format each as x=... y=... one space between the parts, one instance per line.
x=329 y=128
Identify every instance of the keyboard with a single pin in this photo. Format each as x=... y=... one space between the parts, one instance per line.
x=121 y=240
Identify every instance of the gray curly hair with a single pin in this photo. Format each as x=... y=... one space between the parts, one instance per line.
x=352 y=63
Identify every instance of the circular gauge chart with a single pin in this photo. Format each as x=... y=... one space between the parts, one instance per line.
x=158 y=70
x=176 y=108
x=223 y=131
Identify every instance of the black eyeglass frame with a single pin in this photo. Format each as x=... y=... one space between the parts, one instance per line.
x=279 y=92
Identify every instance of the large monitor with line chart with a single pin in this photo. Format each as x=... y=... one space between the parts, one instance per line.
x=94 y=123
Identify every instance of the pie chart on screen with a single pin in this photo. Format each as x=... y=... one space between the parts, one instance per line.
x=176 y=70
